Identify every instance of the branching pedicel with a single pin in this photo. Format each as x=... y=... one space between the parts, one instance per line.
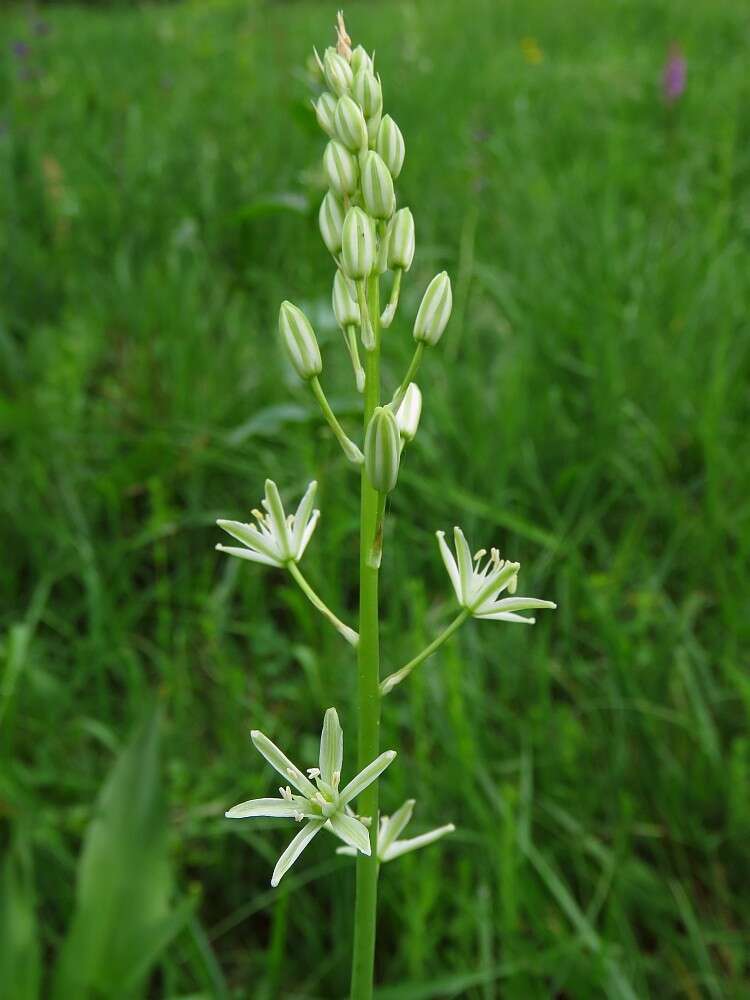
x=367 y=237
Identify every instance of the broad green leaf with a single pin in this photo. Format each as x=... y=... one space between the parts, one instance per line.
x=19 y=943
x=123 y=918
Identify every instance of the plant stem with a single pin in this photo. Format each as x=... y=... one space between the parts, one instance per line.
x=411 y=371
x=351 y=450
x=348 y=633
x=368 y=695
x=395 y=678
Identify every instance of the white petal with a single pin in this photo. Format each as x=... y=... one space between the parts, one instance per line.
x=302 y=514
x=351 y=831
x=275 y=509
x=513 y=604
x=283 y=765
x=393 y=826
x=465 y=564
x=506 y=616
x=248 y=554
x=249 y=535
x=496 y=583
x=296 y=847
x=366 y=776
x=307 y=534
x=352 y=852
x=270 y=807
x=404 y=846
x=450 y=564
x=331 y=746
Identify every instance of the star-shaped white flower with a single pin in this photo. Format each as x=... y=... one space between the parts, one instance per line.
x=320 y=804
x=276 y=539
x=389 y=847
x=478 y=586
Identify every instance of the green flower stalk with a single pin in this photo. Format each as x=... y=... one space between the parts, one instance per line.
x=368 y=235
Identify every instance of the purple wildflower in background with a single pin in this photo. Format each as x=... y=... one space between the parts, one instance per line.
x=674 y=76
x=20 y=49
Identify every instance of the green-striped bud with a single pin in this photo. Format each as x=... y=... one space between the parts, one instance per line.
x=377 y=187
x=434 y=310
x=358 y=245
x=401 y=240
x=338 y=72
x=340 y=167
x=367 y=92
x=345 y=308
x=390 y=145
x=373 y=124
x=331 y=221
x=360 y=60
x=350 y=125
x=324 y=108
x=382 y=450
x=408 y=414
x=299 y=341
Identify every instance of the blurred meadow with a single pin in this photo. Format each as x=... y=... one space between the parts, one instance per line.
x=587 y=411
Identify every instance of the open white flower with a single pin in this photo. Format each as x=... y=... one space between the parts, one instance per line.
x=276 y=539
x=478 y=586
x=389 y=847
x=321 y=804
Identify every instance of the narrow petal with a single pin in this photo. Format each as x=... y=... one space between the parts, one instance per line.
x=404 y=846
x=488 y=592
x=351 y=831
x=296 y=847
x=465 y=564
x=270 y=807
x=331 y=746
x=248 y=534
x=275 y=509
x=248 y=554
x=513 y=604
x=283 y=765
x=352 y=852
x=302 y=514
x=366 y=776
x=506 y=616
x=450 y=564
x=393 y=826
x=307 y=534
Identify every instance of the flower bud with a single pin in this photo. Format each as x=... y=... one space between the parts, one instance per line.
x=377 y=187
x=373 y=124
x=390 y=145
x=350 y=125
x=360 y=60
x=367 y=92
x=382 y=450
x=401 y=240
x=434 y=310
x=408 y=414
x=299 y=341
x=340 y=167
x=358 y=245
x=345 y=307
x=324 y=108
x=338 y=72
x=331 y=221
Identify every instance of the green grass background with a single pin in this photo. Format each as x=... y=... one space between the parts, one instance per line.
x=587 y=411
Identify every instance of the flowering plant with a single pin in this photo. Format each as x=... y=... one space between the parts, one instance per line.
x=368 y=236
